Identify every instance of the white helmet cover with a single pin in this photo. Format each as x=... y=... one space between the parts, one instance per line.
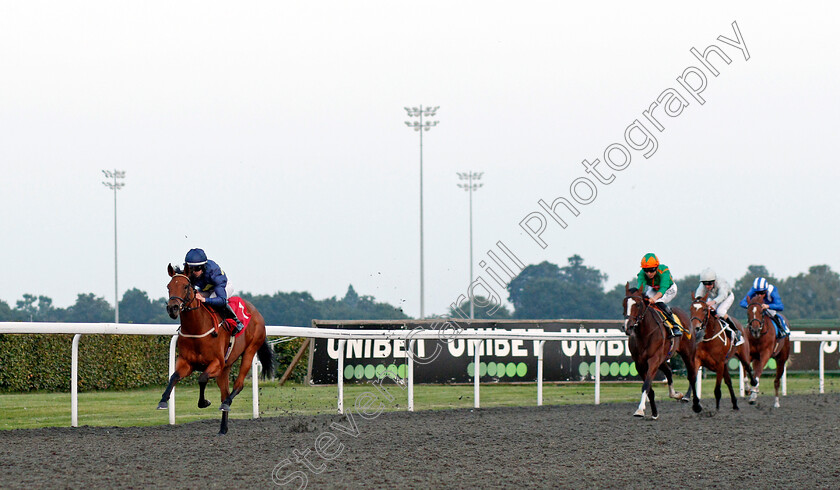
x=708 y=274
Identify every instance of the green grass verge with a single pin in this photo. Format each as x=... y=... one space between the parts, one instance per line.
x=137 y=407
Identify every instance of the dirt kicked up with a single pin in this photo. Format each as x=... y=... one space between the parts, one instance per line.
x=576 y=446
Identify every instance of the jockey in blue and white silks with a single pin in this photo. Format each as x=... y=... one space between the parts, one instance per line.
x=211 y=284
x=772 y=303
x=720 y=297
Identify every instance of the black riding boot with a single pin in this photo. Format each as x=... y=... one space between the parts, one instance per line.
x=778 y=321
x=674 y=330
x=737 y=338
x=233 y=316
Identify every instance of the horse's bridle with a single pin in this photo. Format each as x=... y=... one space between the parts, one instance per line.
x=639 y=317
x=184 y=302
x=759 y=321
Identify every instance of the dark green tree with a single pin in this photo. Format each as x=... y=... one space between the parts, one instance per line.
x=530 y=274
x=481 y=310
x=136 y=307
x=38 y=309
x=90 y=309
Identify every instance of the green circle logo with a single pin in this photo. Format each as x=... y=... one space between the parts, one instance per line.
x=380 y=371
x=733 y=364
x=521 y=369
x=510 y=370
x=401 y=371
x=500 y=369
x=471 y=370
x=491 y=369
x=624 y=369
x=482 y=369
x=593 y=368
x=633 y=370
x=605 y=368
x=392 y=369
x=583 y=368
x=348 y=372
x=370 y=371
x=359 y=372
x=614 y=369
x=771 y=364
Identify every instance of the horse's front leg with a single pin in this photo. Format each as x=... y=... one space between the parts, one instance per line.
x=780 y=370
x=691 y=367
x=224 y=386
x=718 y=379
x=182 y=370
x=758 y=367
x=728 y=380
x=202 y=385
x=649 y=370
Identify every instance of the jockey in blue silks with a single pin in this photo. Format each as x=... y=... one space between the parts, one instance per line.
x=211 y=284
x=772 y=303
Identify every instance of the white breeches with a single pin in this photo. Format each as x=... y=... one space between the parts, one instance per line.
x=723 y=307
x=666 y=298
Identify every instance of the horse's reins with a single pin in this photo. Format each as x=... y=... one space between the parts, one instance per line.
x=184 y=308
x=704 y=322
x=760 y=322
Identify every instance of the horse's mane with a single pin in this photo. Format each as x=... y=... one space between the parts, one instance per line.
x=755 y=300
x=632 y=290
x=178 y=270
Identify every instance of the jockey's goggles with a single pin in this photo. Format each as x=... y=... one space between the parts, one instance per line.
x=649 y=269
x=708 y=283
x=761 y=292
x=197 y=268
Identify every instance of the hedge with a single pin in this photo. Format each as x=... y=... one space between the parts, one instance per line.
x=121 y=362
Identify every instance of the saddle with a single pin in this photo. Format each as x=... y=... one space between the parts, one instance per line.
x=663 y=319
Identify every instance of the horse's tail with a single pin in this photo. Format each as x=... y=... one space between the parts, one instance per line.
x=266 y=357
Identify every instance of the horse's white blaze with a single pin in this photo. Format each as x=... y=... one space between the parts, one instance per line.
x=698 y=307
x=630 y=303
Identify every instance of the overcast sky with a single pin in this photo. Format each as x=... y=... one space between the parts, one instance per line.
x=272 y=135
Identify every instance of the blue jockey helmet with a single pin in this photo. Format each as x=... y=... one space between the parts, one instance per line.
x=195 y=256
x=760 y=284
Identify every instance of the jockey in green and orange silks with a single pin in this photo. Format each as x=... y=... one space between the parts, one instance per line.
x=655 y=281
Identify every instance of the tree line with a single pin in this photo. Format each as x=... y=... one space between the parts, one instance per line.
x=543 y=290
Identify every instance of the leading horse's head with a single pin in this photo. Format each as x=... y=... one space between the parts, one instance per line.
x=755 y=315
x=634 y=308
x=700 y=313
x=181 y=292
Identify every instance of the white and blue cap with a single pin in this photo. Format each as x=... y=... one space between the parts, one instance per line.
x=760 y=284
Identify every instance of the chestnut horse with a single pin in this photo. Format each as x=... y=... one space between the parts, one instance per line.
x=650 y=347
x=715 y=348
x=764 y=345
x=201 y=348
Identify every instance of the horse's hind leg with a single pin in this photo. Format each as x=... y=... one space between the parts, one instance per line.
x=691 y=368
x=780 y=370
x=224 y=386
x=669 y=375
x=202 y=384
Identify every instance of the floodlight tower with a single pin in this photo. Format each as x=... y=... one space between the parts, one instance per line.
x=420 y=126
x=470 y=186
x=115 y=186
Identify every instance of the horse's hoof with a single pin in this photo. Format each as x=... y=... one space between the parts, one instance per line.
x=163 y=406
x=204 y=403
x=684 y=400
x=639 y=413
x=736 y=408
x=697 y=408
x=654 y=417
x=224 y=407
x=776 y=405
x=221 y=433
x=752 y=402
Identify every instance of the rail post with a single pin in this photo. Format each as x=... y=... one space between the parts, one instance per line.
x=172 y=344
x=540 y=349
x=341 y=344
x=74 y=382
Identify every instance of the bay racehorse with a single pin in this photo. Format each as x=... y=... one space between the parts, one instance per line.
x=201 y=346
x=764 y=345
x=715 y=348
x=651 y=348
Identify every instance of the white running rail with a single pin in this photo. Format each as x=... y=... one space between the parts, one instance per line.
x=79 y=329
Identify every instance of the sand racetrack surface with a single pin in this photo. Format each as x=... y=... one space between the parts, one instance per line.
x=575 y=446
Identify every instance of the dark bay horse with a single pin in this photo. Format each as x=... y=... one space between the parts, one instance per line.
x=651 y=349
x=715 y=348
x=764 y=345
x=200 y=348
